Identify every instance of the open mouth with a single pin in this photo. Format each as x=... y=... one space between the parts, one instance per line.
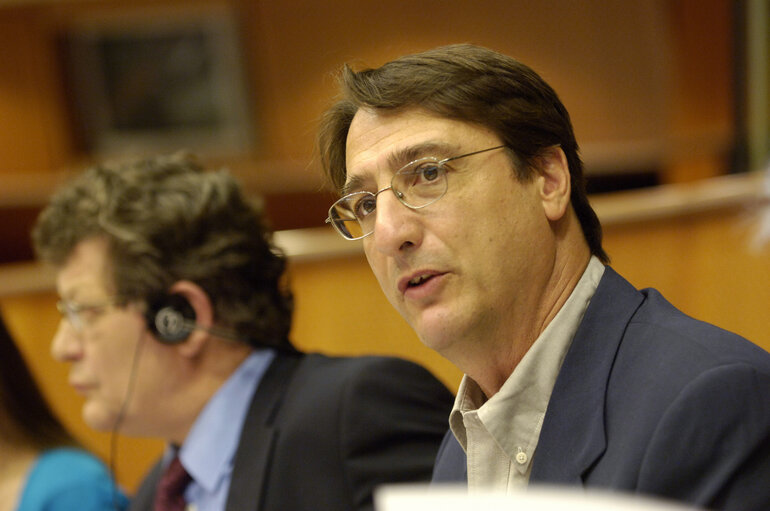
x=417 y=281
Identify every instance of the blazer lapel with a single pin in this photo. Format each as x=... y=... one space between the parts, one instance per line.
x=143 y=500
x=573 y=435
x=254 y=452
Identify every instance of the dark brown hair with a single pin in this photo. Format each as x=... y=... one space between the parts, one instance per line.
x=25 y=416
x=472 y=84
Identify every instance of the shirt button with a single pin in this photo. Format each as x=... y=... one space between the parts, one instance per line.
x=521 y=458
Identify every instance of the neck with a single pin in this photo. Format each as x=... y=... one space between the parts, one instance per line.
x=490 y=358
x=207 y=376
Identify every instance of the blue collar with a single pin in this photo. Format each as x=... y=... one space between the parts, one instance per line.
x=210 y=447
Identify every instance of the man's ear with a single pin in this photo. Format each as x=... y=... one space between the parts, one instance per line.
x=204 y=316
x=554 y=182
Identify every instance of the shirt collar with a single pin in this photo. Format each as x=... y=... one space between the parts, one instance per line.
x=514 y=415
x=208 y=451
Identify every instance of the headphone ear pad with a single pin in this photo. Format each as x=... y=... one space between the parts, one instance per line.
x=170 y=318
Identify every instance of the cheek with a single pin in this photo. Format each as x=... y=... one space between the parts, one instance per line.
x=110 y=366
x=112 y=349
x=377 y=261
x=379 y=266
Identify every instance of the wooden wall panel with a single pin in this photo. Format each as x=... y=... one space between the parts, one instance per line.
x=34 y=132
x=636 y=77
x=704 y=264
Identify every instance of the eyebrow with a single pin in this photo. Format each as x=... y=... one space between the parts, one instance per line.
x=401 y=157
x=352 y=185
x=409 y=154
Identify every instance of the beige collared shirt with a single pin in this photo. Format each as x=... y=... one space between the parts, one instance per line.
x=500 y=435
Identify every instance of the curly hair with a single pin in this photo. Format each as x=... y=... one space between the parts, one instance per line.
x=165 y=220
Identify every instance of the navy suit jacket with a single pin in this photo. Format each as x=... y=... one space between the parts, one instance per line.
x=649 y=400
x=322 y=432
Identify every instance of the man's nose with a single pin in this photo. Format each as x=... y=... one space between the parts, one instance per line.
x=66 y=345
x=396 y=226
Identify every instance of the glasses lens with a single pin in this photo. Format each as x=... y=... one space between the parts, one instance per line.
x=420 y=183
x=70 y=314
x=344 y=219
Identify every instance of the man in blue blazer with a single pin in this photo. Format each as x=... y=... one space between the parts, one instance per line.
x=459 y=169
x=176 y=321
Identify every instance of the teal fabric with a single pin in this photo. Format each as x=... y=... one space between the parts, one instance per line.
x=68 y=479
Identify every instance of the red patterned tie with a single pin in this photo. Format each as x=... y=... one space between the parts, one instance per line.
x=170 y=493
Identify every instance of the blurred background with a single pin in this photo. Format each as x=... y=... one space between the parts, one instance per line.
x=669 y=101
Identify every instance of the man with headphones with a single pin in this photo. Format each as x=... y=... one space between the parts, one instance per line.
x=176 y=321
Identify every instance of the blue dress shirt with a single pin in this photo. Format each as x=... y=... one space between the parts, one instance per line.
x=209 y=449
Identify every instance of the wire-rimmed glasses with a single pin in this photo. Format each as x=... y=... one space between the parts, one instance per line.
x=417 y=184
x=81 y=315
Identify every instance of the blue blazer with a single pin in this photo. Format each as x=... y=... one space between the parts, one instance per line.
x=323 y=432
x=651 y=401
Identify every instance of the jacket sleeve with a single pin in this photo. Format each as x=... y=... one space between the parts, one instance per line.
x=712 y=446
x=394 y=416
x=451 y=462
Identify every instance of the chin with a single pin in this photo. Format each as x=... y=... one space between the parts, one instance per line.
x=438 y=344
x=97 y=418
x=434 y=327
x=437 y=339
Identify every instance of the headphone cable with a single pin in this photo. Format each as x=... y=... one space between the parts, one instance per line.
x=119 y=420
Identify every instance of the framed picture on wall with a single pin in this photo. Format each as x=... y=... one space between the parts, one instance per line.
x=161 y=82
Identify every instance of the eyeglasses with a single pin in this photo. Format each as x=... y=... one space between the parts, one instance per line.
x=82 y=315
x=417 y=184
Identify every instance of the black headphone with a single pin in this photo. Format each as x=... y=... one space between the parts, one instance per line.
x=170 y=317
